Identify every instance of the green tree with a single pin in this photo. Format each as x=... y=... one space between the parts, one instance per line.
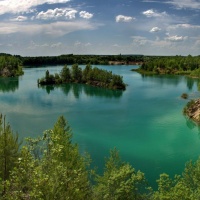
x=71 y=176
x=119 y=181
x=10 y=66
x=26 y=179
x=9 y=150
x=76 y=73
x=50 y=168
x=186 y=186
x=86 y=72
x=65 y=74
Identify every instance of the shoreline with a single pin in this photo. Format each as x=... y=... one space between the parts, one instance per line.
x=192 y=110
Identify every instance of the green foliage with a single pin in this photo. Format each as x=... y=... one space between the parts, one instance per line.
x=50 y=168
x=26 y=179
x=9 y=150
x=65 y=74
x=92 y=76
x=195 y=73
x=120 y=181
x=185 y=187
x=81 y=59
x=10 y=66
x=172 y=65
x=76 y=73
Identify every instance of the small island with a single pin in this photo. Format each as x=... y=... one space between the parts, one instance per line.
x=192 y=110
x=90 y=76
x=10 y=66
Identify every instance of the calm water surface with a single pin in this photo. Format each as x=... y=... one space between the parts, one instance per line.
x=145 y=122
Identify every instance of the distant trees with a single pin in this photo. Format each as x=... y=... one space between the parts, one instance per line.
x=172 y=65
x=92 y=76
x=80 y=59
x=10 y=66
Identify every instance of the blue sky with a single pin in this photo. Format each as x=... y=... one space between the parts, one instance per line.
x=54 y=27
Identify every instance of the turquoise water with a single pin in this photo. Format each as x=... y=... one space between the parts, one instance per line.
x=145 y=122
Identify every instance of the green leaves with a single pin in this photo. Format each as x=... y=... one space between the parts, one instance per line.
x=50 y=167
x=10 y=66
x=92 y=76
x=119 y=181
x=9 y=149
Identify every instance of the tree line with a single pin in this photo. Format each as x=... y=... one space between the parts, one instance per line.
x=171 y=65
x=70 y=59
x=88 y=75
x=51 y=167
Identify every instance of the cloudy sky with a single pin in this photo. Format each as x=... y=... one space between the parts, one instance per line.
x=54 y=27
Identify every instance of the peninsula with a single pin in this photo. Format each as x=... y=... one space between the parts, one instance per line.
x=176 y=65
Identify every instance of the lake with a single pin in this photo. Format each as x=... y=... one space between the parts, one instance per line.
x=145 y=122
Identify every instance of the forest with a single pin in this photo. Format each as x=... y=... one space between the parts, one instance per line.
x=90 y=76
x=70 y=59
x=10 y=66
x=178 y=65
x=51 y=167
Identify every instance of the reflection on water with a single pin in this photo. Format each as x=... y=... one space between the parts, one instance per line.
x=192 y=125
x=78 y=89
x=9 y=84
x=190 y=82
x=171 y=80
x=163 y=79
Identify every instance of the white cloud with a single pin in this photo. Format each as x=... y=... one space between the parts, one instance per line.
x=17 y=6
x=184 y=29
x=78 y=44
x=85 y=15
x=34 y=45
x=20 y=18
x=183 y=26
x=115 y=45
x=139 y=40
x=122 y=18
x=53 y=29
x=182 y=4
x=155 y=29
x=88 y=44
x=56 y=45
x=153 y=13
x=70 y=14
x=57 y=13
x=176 y=38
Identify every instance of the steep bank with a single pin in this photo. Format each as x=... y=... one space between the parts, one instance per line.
x=192 y=110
